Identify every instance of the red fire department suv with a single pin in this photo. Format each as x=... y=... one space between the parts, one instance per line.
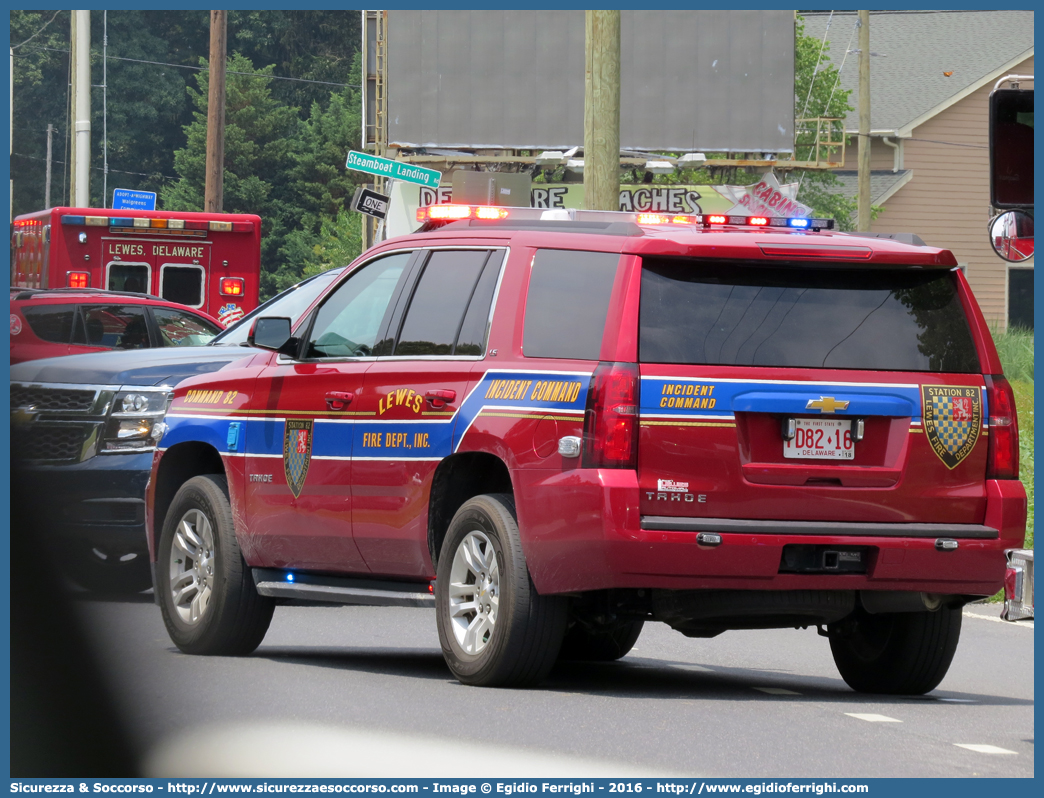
x=571 y=426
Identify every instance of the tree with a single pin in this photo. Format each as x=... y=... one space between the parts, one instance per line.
x=261 y=140
x=818 y=94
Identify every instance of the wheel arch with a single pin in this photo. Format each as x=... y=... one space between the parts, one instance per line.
x=458 y=478
x=179 y=464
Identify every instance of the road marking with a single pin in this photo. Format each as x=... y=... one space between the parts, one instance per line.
x=958 y=700
x=995 y=619
x=980 y=748
x=872 y=718
x=699 y=668
x=776 y=691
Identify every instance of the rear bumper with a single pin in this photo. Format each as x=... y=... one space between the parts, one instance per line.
x=582 y=531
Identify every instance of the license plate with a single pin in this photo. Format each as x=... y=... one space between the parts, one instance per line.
x=821 y=439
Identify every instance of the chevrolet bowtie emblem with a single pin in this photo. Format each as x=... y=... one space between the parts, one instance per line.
x=828 y=404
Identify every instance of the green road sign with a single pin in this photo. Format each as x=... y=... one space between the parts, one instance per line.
x=397 y=170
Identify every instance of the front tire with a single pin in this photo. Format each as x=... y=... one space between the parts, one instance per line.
x=904 y=653
x=209 y=602
x=495 y=629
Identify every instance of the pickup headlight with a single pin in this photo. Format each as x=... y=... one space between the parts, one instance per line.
x=136 y=420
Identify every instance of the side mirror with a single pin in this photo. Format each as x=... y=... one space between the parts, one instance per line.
x=1011 y=148
x=273 y=333
x=1011 y=234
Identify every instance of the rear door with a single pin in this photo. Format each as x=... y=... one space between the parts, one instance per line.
x=826 y=394
x=409 y=406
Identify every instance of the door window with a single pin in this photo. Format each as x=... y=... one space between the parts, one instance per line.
x=348 y=323
x=52 y=323
x=133 y=277
x=177 y=328
x=116 y=326
x=437 y=309
x=182 y=284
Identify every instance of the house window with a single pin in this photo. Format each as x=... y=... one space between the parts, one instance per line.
x=1020 y=298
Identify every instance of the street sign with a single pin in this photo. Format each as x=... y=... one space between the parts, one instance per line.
x=370 y=202
x=126 y=199
x=396 y=170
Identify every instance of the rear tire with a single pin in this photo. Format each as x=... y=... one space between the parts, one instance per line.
x=495 y=629
x=585 y=643
x=207 y=595
x=904 y=653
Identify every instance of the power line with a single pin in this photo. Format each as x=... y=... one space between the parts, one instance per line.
x=48 y=22
x=205 y=69
x=98 y=168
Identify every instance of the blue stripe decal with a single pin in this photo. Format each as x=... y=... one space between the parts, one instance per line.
x=399 y=439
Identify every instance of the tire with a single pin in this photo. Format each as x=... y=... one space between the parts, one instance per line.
x=584 y=643
x=512 y=638
x=207 y=595
x=905 y=653
x=108 y=572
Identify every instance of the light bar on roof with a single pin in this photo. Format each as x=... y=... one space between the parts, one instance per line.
x=796 y=223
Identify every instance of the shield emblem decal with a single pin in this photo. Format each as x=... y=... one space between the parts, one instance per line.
x=297 y=452
x=952 y=421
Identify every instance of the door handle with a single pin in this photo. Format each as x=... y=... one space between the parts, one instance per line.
x=339 y=400
x=439 y=399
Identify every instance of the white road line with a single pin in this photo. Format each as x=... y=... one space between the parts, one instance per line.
x=698 y=668
x=981 y=748
x=958 y=700
x=872 y=718
x=776 y=691
x=994 y=618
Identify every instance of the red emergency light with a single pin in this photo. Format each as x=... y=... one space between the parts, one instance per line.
x=232 y=286
x=78 y=279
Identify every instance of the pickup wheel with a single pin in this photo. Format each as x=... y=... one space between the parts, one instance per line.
x=596 y=644
x=495 y=629
x=208 y=598
x=905 y=653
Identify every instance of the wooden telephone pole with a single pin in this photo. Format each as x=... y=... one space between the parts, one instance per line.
x=602 y=111
x=863 y=207
x=214 y=196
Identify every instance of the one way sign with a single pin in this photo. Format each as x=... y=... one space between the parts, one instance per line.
x=370 y=202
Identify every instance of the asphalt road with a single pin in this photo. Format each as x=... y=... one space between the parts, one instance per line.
x=364 y=691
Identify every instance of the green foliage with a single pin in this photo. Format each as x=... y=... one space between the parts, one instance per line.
x=1015 y=347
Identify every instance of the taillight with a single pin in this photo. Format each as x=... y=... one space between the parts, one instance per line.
x=611 y=418
x=78 y=279
x=1003 y=450
x=231 y=286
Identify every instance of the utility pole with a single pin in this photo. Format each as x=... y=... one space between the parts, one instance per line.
x=80 y=188
x=602 y=110
x=47 y=185
x=863 y=213
x=214 y=197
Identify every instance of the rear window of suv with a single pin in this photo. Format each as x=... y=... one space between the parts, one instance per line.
x=736 y=314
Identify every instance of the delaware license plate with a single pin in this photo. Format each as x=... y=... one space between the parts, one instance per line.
x=821 y=439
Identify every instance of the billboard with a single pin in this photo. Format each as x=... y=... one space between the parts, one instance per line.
x=718 y=81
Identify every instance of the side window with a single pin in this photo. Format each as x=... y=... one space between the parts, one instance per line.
x=567 y=303
x=133 y=277
x=182 y=284
x=177 y=328
x=441 y=298
x=52 y=323
x=116 y=326
x=348 y=323
x=472 y=338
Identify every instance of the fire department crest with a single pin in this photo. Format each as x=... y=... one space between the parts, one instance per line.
x=952 y=421
x=297 y=452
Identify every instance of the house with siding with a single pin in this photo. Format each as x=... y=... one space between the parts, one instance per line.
x=931 y=74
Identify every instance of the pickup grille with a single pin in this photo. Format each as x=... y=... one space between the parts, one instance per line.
x=45 y=442
x=54 y=399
